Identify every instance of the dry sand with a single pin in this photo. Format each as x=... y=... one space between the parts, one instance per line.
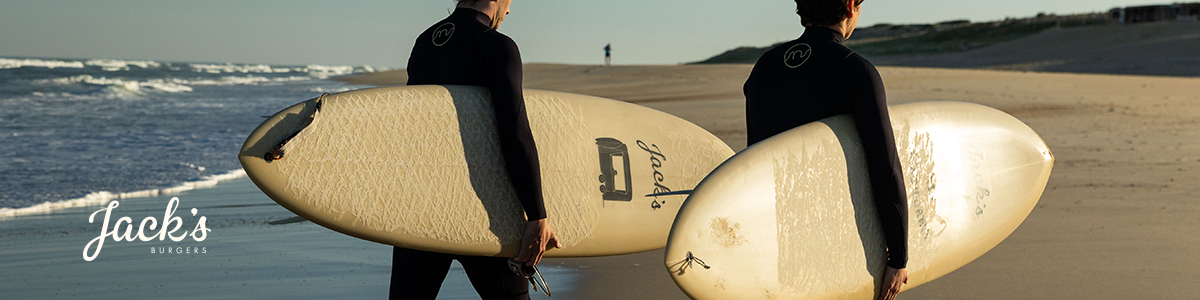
x=1165 y=48
x=1117 y=220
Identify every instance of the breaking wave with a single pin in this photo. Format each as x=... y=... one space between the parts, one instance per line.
x=115 y=65
x=103 y=197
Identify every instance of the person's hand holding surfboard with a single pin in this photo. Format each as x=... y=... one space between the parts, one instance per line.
x=893 y=280
x=538 y=238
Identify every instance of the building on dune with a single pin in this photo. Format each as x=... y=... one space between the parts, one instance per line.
x=1156 y=13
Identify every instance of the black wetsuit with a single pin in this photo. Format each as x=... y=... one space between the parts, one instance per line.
x=464 y=50
x=816 y=77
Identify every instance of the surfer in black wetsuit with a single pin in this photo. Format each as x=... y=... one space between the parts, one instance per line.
x=816 y=77
x=466 y=49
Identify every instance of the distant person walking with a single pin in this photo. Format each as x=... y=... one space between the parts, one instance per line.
x=608 y=54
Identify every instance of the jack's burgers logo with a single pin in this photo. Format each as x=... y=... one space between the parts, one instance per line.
x=442 y=34
x=797 y=55
x=123 y=229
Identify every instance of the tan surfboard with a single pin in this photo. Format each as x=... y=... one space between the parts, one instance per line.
x=791 y=217
x=420 y=167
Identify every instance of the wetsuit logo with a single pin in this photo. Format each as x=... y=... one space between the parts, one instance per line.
x=797 y=55
x=442 y=34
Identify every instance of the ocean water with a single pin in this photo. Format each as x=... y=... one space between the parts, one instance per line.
x=84 y=131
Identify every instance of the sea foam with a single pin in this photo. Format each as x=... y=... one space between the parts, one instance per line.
x=323 y=72
x=130 y=85
x=103 y=197
x=232 y=68
x=239 y=80
x=171 y=85
x=315 y=71
x=8 y=63
x=121 y=65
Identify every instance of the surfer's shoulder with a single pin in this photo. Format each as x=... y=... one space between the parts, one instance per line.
x=500 y=42
x=491 y=35
x=857 y=64
x=838 y=51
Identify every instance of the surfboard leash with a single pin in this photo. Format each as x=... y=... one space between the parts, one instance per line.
x=277 y=153
x=693 y=259
x=529 y=272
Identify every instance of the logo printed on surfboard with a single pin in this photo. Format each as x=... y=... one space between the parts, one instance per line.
x=797 y=55
x=610 y=148
x=442 y=34
x=656 y=161
x=611 y=187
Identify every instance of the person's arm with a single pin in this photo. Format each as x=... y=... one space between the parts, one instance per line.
x=883 y=162
x=883 y=165
x=519 y=150
x=754 y=128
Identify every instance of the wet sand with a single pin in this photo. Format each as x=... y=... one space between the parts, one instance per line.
x=1117 y=220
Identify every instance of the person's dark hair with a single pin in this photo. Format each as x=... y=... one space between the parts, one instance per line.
x=823 y=12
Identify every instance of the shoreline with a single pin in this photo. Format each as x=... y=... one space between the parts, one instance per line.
x=101 y=198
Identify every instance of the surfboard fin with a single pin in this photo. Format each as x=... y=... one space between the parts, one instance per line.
x=296 y=219
x=671 y=193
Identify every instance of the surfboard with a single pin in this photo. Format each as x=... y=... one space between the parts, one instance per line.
x=420 y=167
x=791 y=217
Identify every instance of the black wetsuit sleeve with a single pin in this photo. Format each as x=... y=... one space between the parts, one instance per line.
x=883 y=162
x=753 y=128
x=512 y=123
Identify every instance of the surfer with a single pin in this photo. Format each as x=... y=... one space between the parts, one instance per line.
x=816 y=77
x=466 y=49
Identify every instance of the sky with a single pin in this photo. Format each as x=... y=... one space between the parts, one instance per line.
x=380 y=33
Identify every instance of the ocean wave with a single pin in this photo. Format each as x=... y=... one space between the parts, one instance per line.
x=8 y=63
x=239 y=80
x=121 y=65
x=312 y=70
x=232 y=68
x=103 y=64
x=323 y=72
x=128 y=85
x=103 y=197
x=169 y=85
x=315 y=71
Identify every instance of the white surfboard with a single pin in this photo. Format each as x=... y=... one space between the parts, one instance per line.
x=420 y=167
x=791 y=217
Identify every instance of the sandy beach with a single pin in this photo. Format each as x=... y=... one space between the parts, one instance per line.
x=1117 y=219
